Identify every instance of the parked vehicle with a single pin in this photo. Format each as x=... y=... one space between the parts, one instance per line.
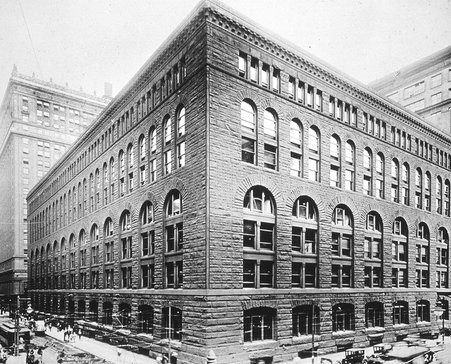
x=354 y=356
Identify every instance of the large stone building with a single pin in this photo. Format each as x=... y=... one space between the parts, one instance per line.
x=238 y=195
x=38 y=121
x=424 y=87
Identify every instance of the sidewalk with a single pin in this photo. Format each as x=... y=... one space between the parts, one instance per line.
x=103 y=350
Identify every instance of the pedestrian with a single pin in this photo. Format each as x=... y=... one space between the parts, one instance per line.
x=60 y=356
x=79 y=333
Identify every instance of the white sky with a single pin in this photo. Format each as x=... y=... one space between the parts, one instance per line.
x=88 y=42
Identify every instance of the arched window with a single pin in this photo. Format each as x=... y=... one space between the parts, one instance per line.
x=302 y=321
x=342 y=246
x=314 y=154
x=147 y=241
x=367 y=172
x=108 y=232
x=98 y=188
x=442 y=258
x=181 y=137
x=350 y=166
x=259 y=324
x=404 y=184
x=167 y=127
x=271 y=139
x=422 y=256
x=399 y=253
x=418 y=189
x=94 y=233
x=374 y=314
x=380 y=175
x=126 y=250
x=439 y=194
x=296 y=144
x=304 y=243
x=427 y=191
x=112 y=172
x=400 y=313
x=258 y=238
x=394 y=180
x=248 y=117
x=181 y=122
x=106 y=183
x=153 y=149
x=373 y=250
x=173 y=226
x=343 y=318
x=142 y=147
x=248 y=132
x=447 y=197
x=167 y=151
x=335 y=164
x=130 y=161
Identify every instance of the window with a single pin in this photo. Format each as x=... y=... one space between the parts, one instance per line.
x=258 y=324
x=304 y=243
x=439 y=195
x=343 y=317
x=442 y=258
x=180 y=137
x=436 y=98
x=305 y=320
x=314 y=158
x=270 y=133
x=413 y=90
x=173 y=227
x=248 y=131
x=399 y=253
x=422 y=313
x=335 y=153
x=342 y=247
x=167 y=130
x=172 y=323
x=258 y=238
x=242 y=64
x=374 y=314
x=400 y=313
x=350 y=166
x=436 y=80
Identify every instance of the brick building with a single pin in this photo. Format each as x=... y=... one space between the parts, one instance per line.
x=39 y=120
x=238 y=195
x=424 y=87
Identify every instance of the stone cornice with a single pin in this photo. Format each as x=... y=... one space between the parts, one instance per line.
x=288 y=53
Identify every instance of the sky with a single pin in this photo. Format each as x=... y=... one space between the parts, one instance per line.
x=88 y=42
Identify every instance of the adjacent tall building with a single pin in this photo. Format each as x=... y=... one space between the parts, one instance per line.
x=239 y=196
x=38 y=121
x=424 y=87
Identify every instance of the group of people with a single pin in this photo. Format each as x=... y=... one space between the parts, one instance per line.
x=34 y=356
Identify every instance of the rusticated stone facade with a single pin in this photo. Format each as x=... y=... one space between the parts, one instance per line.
x=245 y=190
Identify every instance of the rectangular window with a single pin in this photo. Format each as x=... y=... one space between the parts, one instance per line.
x=270 y=156
x=265 y=75
x=248 y=150
x=313 y=165
x=436 y=80
x=436 y=98
x=242 y=64
x=254 y=70
x=296 y=165
x=167 y=162
x=276 y=80
x=334 y=176
x=181 y=154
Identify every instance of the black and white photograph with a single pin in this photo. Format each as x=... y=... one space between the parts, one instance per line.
x=225 y=181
